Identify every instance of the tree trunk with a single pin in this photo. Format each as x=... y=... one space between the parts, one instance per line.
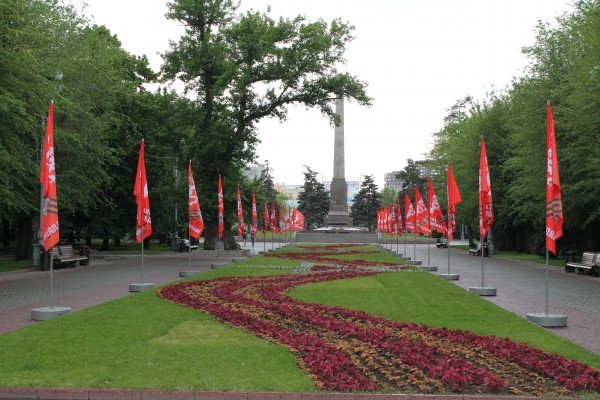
x=24 y=238
x=211 y=237
x=117 y=241
x=105 y=239
x=5 y=236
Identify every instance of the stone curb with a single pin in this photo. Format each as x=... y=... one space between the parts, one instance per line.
x=135 y=394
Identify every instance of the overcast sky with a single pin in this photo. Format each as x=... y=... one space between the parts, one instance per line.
x=418 y=58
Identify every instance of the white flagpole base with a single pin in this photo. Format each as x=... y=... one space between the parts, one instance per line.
x=253 y=255
x=140 y=287
x=416 y=262
x=450 y=277
x=218 y=265
x=549 y=320
x=483 y=291
x=46 y=313
x=238 y=259
x=185 y=274
x=429 y=268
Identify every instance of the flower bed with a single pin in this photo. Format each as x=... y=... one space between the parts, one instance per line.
x=347 y=350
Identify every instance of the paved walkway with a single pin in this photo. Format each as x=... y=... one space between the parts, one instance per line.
x=521 y=288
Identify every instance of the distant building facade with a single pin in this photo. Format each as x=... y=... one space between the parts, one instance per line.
x=392 y=181
x=254 y=171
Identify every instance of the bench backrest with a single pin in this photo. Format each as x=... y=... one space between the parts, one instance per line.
x=588 y=258
x=62 y=251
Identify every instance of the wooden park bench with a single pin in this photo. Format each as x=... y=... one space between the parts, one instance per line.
x=441 y=242
x=65 y=256
x=589 y=262
x=477 y=251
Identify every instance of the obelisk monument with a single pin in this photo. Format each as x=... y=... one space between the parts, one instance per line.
x=338 y=196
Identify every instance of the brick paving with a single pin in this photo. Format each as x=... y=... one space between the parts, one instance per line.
x=520 y=290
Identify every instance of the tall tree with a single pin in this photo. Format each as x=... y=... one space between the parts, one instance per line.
x=313 y=200
x=366 y=203
x=245 y=67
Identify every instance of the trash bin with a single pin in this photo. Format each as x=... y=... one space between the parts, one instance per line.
x=44 y=261
x=85 y=251
x=182 y=246
x=175 y=243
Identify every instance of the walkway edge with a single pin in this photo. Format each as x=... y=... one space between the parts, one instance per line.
x=136 y=394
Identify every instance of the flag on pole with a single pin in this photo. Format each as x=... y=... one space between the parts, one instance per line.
x=195 y=221
x=398 y=217
x=436 y=217
x=422 y=217
x=273 y=226
x=140 y=191
x=409 y=214
x=298 y=220
x=221 y=208
x=486 y=212
x=554 y=215
x=453 y=199
x=254 y=215
x=240 y=213
x=265 y=218
x=49 y=227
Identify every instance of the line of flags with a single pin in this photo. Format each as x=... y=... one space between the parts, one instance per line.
x=421 y=220
x=425 y=221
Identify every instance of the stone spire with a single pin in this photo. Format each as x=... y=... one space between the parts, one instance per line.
x=338 y=203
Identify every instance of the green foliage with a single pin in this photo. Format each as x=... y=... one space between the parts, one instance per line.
x=245 y=67
x=388 y=196
x=563 y=69
x=313 y=200
x=366 y=203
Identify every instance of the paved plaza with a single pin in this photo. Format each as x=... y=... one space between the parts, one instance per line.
x=520 y=289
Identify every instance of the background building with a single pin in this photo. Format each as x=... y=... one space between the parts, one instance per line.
x=391 y=180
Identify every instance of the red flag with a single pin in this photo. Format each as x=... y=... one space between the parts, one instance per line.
x=240 y=212
x=554 y=215
x=50 y=227
x=436 y=217
x=265 y=218
x=409 y=214
x=221 y=208
x=422 y=216
x=486 y=212
x=140 y=191
x=195 y=222
x=254 y=215
x=273 y=219
x=398 y=217
x=453 y=199
x=298 y=220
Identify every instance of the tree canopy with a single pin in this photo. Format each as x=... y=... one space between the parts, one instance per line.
x=313 y=200
x=242 y=67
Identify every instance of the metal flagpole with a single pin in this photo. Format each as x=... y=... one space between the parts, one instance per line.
x=428 y=251
x=547 y=278
x=482 y=255
x=51 y=281
x=142 y=272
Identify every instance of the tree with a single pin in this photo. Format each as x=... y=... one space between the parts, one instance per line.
x=388 y=196
x=246 y=67
x=313 y=200
x=366 y=203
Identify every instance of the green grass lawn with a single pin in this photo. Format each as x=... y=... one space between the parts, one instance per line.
x=141 y=341
x=8 y=263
